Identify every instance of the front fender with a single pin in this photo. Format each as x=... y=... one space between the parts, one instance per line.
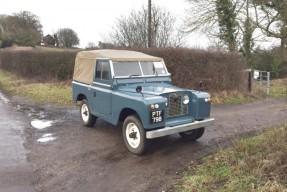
x=139 y=104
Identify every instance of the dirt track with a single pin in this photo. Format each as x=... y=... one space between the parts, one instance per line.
x=95 y=159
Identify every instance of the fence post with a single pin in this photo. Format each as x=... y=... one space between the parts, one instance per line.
x=260 y=80
x=268 y=83
x=250 y=81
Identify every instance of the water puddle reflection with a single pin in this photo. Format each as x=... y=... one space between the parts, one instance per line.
x=3 y=98
x=46 y=137
x=41 y=124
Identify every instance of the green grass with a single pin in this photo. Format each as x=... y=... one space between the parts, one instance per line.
x=278 y=88
x=57 y=93
x=252 y=164
x=234 y=97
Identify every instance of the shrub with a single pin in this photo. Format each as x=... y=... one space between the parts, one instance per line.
x=219 y=71
x=270 y=60
x=39 y=64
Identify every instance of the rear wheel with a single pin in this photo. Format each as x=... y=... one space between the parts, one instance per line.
x=192 y=135
x=88 y=119
x=134 y=135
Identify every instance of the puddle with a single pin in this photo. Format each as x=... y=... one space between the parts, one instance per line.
x=41 y=124
x=31 y=112
x=46 y=137
x=3 y=98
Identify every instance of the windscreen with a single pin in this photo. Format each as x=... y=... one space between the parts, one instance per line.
x=129 y=69
x=153 y=68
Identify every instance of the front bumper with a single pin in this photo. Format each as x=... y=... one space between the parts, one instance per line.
x=179 y=128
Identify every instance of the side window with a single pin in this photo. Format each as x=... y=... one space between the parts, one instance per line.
x=103 y=70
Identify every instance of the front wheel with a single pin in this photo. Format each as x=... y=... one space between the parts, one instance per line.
x=192 y=135
x=134 y=135
x=88 y=119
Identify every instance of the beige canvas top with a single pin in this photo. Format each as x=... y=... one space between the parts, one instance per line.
x=85 y=61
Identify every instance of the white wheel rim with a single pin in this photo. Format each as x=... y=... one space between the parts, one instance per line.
x=85 y=112
x=133 y=135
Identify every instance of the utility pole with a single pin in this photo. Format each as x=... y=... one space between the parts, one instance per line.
x=149 y=25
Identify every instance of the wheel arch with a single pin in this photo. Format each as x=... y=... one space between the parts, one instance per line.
x=81 y=97
x=127 y=112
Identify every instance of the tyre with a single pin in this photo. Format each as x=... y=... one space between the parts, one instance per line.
x=192 y=135
x=134 y=135
x=88 y=119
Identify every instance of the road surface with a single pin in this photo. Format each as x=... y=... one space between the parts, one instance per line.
x=15 y=171
x=62 y=155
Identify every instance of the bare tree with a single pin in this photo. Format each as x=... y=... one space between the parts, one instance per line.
x=29 y=20
x=228 y=20
x=271 y=18
x=132 y=30
x=67 y=38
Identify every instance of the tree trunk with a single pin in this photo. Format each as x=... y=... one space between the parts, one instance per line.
x=283 y=50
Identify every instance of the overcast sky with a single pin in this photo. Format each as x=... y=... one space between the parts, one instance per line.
x=91 y=20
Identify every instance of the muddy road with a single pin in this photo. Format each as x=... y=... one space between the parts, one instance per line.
x=65 y=156
x=15 y=170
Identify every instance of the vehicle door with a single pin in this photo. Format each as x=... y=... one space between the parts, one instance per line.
x=102 y=87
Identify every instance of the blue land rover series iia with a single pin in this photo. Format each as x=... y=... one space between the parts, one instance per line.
x=136 y=89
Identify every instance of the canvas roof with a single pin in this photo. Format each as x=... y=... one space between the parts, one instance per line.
x=118 y=55
x=85 y=61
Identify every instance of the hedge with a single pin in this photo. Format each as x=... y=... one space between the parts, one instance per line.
x=219 y=71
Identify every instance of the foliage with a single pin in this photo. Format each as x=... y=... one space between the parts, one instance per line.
x=24 y=28
x=218 y=71
x=39 y=64
x=269 y=60
x=132 y=30
x=49 y=40
x=67 y=38
x=91 y=45
x=272 y=20
x=249 y=22
x=227 y=23
x=219 y=19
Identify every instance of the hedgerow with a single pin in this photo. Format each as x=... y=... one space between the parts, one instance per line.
x=219 y=71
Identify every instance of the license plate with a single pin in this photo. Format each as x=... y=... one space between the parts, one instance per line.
x=156 y=116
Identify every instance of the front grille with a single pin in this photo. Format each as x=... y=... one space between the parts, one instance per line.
x=175 y=105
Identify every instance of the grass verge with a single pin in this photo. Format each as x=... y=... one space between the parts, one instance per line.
x=57 y=93
x=253 y=164
x=233 y=97
x=278 y=89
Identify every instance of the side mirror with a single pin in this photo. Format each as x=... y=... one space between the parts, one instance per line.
x=139 y=89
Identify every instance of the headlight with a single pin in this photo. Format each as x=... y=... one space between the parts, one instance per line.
x=185 y=99
x=207 y=100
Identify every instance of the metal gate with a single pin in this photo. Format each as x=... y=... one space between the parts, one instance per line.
x=260 y=81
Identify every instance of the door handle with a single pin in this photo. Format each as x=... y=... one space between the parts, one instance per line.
x=95 y=94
